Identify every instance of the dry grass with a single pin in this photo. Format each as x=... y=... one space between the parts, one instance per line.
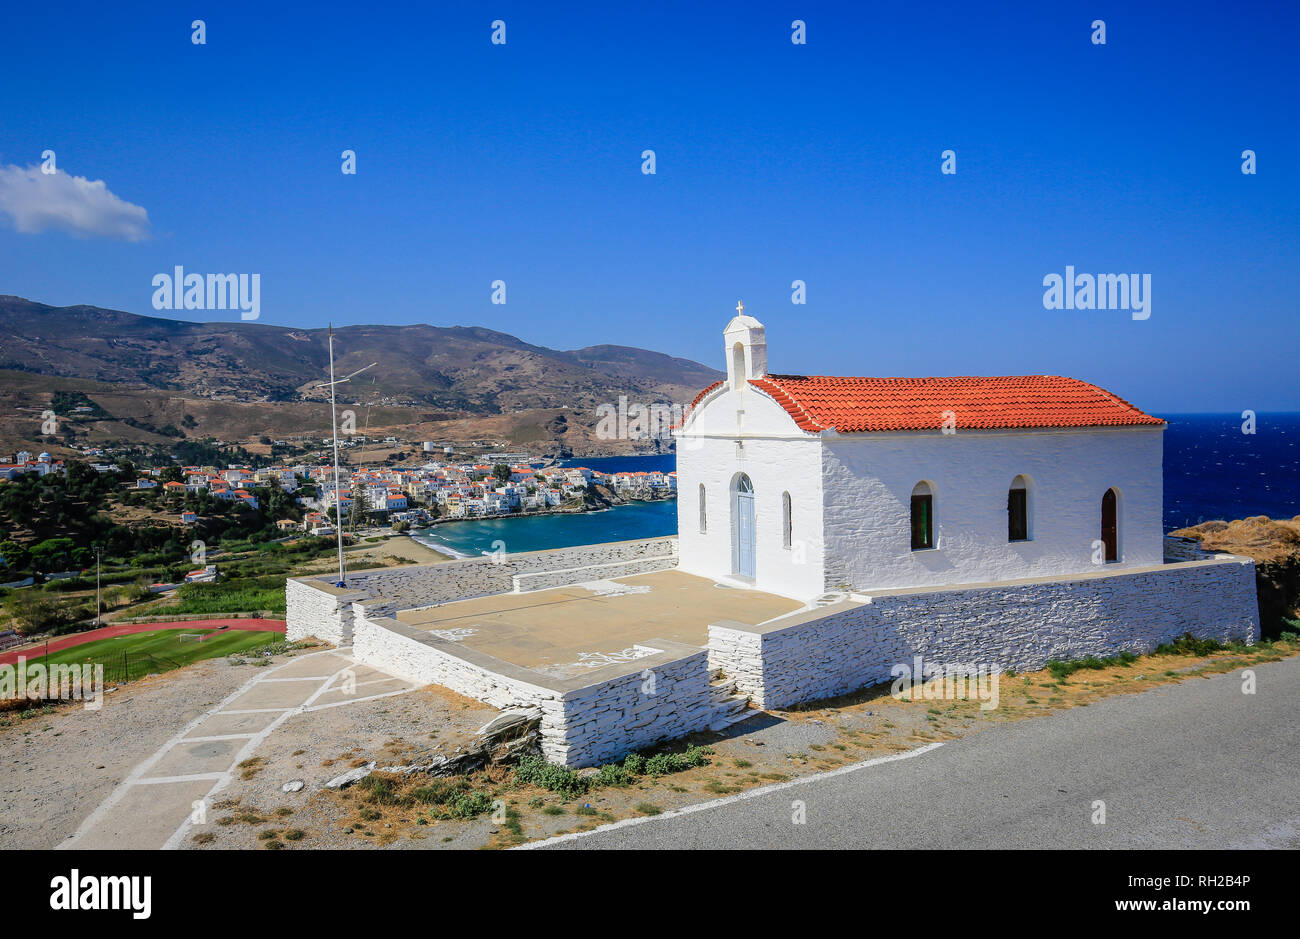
x=1258 y=537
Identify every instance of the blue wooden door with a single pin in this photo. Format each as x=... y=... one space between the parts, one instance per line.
x=744 y=555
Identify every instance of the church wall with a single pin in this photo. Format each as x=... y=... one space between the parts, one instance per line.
x=867 y=483
x=778 y=458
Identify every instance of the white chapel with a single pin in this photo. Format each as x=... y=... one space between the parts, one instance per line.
x=801 y=485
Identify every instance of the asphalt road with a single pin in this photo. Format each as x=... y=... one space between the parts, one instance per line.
x=1193 y=765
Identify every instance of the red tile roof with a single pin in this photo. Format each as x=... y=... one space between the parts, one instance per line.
x=700 y=397
x=852 y=405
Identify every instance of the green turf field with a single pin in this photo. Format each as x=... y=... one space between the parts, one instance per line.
x=128 y=657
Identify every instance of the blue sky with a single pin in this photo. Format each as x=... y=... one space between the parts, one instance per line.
x=775 y=162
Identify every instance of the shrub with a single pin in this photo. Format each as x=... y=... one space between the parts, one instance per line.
x=662 y=764
x=534 y=770
x=612 y=774
x=1187 y=644
x=453 y=798
x=697 y=756
x=634 y=763
x=469 y=804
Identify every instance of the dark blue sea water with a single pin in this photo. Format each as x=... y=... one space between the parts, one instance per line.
x=1212 y=470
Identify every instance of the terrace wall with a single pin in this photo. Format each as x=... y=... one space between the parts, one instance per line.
x=587 y=720
x=1014 y=625
x=315 y=607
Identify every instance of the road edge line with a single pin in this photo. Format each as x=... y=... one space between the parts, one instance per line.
x=728 y=800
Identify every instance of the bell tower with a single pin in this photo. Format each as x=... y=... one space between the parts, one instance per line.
x=745 y=340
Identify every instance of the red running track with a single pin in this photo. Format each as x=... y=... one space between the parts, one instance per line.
x=124 y=629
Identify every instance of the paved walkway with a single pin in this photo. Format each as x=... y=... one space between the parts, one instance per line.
x=151 y=808
x=31 y=652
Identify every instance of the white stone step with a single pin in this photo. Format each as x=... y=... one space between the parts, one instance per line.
x=735 y=711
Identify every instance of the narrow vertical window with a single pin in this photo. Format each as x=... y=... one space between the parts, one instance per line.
x=1018 y=511
x=922 y=517
x=1110 y=525
x=704 y=517
x=787 y=524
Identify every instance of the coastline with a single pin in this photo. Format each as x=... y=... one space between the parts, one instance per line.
x=550 y=529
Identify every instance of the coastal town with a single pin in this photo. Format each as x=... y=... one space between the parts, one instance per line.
x=413 y=496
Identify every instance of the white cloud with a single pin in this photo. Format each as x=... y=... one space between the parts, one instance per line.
x=38 y=201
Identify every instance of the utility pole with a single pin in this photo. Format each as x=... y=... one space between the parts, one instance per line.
x=98 y=606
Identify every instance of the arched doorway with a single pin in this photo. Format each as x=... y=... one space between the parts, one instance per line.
x=742 y=527
x=1110 y=525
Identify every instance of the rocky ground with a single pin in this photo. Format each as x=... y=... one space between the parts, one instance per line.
x=317 y=747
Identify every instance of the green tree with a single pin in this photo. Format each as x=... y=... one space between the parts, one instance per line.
x=16 y=557
x=360 y=506
x=52 y=554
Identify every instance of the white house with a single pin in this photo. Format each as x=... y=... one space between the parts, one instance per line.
x=803 y=485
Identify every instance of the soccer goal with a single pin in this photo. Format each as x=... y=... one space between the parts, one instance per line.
x=190 y=637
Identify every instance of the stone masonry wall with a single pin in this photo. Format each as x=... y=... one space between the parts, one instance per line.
x=542 y=580
x=316 y=608
x=403 y=651
x=1020 y=626
x=607 y=720
x=316 y=612
x=583 y=722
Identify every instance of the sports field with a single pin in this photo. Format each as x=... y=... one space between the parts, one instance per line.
x=130 y=656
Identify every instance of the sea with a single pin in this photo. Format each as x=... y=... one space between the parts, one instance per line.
x=1213 y=470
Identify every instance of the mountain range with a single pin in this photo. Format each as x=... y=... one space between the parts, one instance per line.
x=238 y=381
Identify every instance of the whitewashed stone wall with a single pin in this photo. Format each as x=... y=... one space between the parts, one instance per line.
x=1022 y=625
x=412 y=654
x=585 y=721
x=316 y=608
x=325 y=613
x=543 y=580
x=606 y=720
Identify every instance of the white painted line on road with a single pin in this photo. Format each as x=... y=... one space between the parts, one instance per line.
x=375 y=681
x=216 y=737
x=728 y=800
x=303 y=678
x=335 y=704
x=191 y=777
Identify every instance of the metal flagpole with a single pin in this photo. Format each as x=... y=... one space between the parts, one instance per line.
x=334 y=422
x=338 y=495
